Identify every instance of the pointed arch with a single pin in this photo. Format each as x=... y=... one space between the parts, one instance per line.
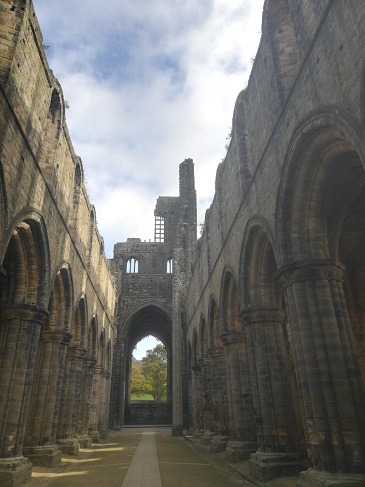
x=26 y=262
x=79 y=326
x=230 y=302
x=214 y=323
x=61 y=300
x=258 y=266
x=325 y=152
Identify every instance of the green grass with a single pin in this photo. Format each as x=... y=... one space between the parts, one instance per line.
x=141 y=397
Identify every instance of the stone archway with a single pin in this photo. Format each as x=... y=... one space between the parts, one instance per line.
x=321 y=233
x=147 y=319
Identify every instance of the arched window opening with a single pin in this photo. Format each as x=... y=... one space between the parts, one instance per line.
x=149 y=371
x=132 y=266
x=169 y=267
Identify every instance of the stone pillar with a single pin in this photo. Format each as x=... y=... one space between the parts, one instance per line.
x=95 y=404
x=240 y=403
x=20 y=328
x=274 y=409
x=328 y=375
x=207 y=394
x=197 y=396
x=88 y=365
x=218 y=391
x=70 y=399
x=103 y=399
x=177 y=364
x=40 y=438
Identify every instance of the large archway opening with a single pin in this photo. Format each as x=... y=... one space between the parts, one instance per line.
x=153 y=321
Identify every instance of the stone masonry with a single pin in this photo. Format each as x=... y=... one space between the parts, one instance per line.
x=275 y=305
x=152 y=278
x=56 y=292
x=263 y=317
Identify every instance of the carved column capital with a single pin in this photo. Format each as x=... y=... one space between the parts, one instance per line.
x=55 y=336
x=26 y=312
x=262 y=315
x=76 y=351
x=309 y=270
x=89 y=361
x=230 y=337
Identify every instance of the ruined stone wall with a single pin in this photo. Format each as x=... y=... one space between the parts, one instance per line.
x=55 y=275
x=295 y=166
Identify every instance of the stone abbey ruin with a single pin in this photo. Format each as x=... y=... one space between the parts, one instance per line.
x=263 y=317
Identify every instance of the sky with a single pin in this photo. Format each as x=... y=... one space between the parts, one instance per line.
x=149 y=83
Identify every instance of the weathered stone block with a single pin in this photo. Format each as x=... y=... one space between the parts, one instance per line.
x=43 y=456
x=219 y=443
x=265 y=466
x=312 y=478
x=239 y=450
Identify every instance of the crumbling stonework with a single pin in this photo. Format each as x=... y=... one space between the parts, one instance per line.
x=275 y=306
x=56 y=291
x=152 y=281
x=262 y=318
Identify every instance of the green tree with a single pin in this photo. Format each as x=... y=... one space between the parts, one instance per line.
x=154 y=370
x=139 y=385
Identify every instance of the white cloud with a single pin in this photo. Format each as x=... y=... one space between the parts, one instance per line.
x=149 y=83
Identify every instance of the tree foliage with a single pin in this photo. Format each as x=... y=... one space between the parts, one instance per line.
x=150 y=375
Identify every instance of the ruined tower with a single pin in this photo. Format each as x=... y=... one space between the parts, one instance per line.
x=152 y=279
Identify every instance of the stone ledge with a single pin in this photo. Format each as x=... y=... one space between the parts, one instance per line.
x=265 y=466
x=313 y=478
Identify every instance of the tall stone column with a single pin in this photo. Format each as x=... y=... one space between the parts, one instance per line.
x=40 y=438
x=207 y=394
x=197 y=397
x=274 y=410
x=103 y=399
x=328 y=375
x=70 y=399
x=240 y=403
x=88 y=365
x=95 y=404
x=20 y=328
x=177 y=366
x=218 y=391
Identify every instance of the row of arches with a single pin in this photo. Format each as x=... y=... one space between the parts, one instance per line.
x=276 y=360
x=55 y=354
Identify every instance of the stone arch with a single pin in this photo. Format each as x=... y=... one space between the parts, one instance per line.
x=23 y=292
x=219 y=400
x=214 y=323
x=78 y=181
x=92 y=227
x=309 y=218
x=147 y=318
x=93 y=336
x=45 y=401
x=321 y=229
x=271 y=365
x=26 y=262
x=79 y=324
x=61 y=300
x=278 y=26
x=230 y=306
x=51 y=135
x=258 y=266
